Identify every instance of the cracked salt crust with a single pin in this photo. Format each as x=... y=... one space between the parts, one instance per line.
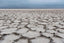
x=60 y=34
x=3 y=27
x=38 y=29
x=31 y=25
x=17 y=21
x=51 y=31
x=8 y=31
x=10 y=38
x=60 y=30
x=22 y=31
x=40 y=40
x=31 y=34
x=57 y=40
x=51 y=27
x=13 y=25
x=34 y=27
x=1 y=24
x=47 y=34
x=22 y=41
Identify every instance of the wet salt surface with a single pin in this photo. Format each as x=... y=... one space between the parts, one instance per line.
x=32 y=28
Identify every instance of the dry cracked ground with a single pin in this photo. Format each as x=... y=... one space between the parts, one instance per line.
x=32 y=28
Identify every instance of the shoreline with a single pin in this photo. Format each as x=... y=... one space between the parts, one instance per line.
x=31 y=9
x=38 y=11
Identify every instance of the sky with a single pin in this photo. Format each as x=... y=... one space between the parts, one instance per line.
x=31 y=3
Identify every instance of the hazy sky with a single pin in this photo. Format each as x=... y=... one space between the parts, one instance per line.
x=45 y=1
x=28 y=3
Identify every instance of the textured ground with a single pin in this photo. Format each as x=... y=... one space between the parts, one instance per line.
x=31 y=26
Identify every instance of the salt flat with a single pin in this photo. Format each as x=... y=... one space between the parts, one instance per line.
x=31 y=25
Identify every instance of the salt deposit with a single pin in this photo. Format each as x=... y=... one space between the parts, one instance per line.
x=31 y=26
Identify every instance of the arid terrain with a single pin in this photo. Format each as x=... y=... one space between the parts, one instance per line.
x=31 y=25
